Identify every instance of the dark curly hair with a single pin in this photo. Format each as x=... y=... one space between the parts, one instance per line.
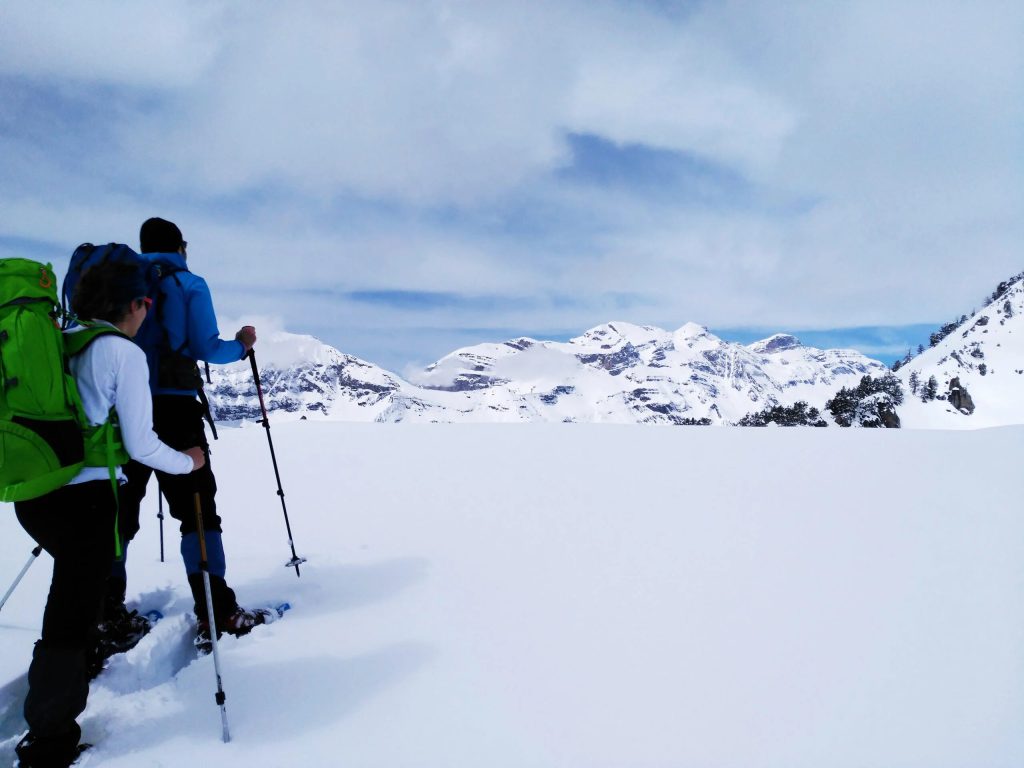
x=106 y=290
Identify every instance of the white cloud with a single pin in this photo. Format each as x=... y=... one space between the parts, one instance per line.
x=899 y=137
x=433 y=103
x=156 y=44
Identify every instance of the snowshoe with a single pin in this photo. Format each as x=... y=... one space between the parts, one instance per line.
x=203 y=642
x=240 y=622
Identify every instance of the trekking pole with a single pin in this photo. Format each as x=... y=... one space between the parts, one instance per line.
x=160 y=516
x=17 y=581
x=204 y=566
x=294 y=562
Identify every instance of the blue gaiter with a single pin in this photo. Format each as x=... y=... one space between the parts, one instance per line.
x=214 y=553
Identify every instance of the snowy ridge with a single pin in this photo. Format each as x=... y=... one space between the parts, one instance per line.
x=986 y=355
x=614 y=373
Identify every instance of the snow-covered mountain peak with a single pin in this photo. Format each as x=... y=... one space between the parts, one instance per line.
x=694 y=339
x=300 y=374
x=523 y=342
x=780 y=342
x=691 y=331
x=613 y=336
x=471 y=367
x=281 y=350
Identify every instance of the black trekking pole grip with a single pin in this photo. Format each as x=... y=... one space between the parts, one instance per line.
x=296 y=560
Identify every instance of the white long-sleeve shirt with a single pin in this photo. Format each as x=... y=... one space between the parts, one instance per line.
x=112 y=371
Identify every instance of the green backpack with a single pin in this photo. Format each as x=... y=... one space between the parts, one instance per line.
x=45 y=439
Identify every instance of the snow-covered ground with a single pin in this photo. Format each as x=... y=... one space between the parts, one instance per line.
x=582 y=596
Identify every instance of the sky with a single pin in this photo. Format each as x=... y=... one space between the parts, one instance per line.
x=401 y=179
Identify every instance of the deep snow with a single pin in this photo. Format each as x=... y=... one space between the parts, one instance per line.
x=582 y=596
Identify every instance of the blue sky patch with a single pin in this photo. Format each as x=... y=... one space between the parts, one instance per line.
x=655 y=172
x=881 y=342
x=14 y=247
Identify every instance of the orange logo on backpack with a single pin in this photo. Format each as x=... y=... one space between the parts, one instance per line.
x=44 y=278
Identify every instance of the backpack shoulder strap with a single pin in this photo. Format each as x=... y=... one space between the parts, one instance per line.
x=77 y=342
x=103 y=444
x=162 y=270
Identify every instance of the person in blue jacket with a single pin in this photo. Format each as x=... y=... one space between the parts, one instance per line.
x=181 y=331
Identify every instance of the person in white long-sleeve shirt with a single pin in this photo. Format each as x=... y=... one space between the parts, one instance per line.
x=112 y=372
x=76 y=523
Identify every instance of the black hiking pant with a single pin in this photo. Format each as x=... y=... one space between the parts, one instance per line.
x=178 y=421
x=75 y=525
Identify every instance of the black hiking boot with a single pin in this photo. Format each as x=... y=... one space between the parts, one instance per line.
x=242 y=621
x=239 y=622
x=34 y=752
x=120 y=631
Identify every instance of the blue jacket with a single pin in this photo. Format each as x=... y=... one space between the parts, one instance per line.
x=184 y=309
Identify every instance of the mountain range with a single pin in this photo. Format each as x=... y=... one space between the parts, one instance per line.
x=617 y=373
x=624 y=373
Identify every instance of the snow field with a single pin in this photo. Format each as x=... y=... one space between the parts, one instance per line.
x=582 y=595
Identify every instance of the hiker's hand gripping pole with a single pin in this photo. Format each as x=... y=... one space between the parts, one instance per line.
x=296 y=560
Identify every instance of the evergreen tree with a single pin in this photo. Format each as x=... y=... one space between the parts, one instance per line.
x=871 y=403
x=914 y=381
x=796 y=415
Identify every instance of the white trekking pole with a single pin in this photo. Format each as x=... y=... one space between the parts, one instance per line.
x=17 y=581
x=205 y=567
x=160 y=516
